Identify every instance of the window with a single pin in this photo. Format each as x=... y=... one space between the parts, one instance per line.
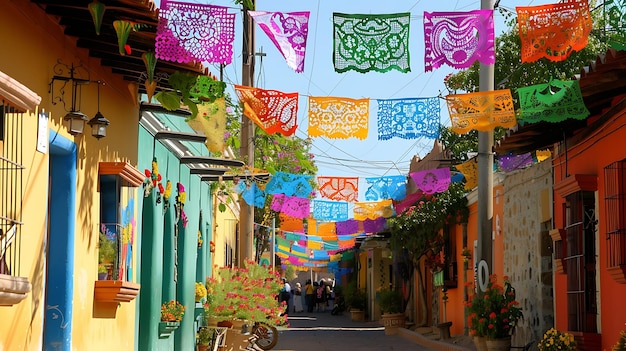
x=615 y=213
x=11 y=188
x=580 y=261
x=117 y=181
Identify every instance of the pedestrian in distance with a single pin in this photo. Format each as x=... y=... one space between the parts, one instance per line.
x=309 y=296
x=285 y=295
x=297 y=298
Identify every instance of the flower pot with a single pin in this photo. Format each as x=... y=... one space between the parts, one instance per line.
x=357 y=315
x=203 y=347
x=212 y=321
x=392 y=321
x=501 y=344
x=480 y=342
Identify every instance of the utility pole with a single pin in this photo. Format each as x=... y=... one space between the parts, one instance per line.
x=485 y=175
x=246 y=219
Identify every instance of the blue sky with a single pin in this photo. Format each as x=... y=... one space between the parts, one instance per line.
x=352 y=157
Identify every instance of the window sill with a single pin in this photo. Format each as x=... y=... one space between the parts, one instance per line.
x=13 y=289
x=115 y=291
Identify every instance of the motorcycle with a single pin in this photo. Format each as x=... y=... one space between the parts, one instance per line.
x=339 y=306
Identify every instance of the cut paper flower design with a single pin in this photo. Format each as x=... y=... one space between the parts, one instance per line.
x=288 y=31
x=458 y=39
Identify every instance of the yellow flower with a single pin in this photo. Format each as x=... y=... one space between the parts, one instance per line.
x=168 y=189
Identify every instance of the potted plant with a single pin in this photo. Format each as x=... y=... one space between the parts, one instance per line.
x=172 y=313
x=246 y=293
x=200 y=292
x=204 y=337
x=554 y=340
x=242 y=296
x=106 y=257
x=493 y=314
x=356 y=300
x=391 y=305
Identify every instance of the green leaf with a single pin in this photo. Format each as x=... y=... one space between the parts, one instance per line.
x=169 y=99
x=193 y=108
x=221 y=207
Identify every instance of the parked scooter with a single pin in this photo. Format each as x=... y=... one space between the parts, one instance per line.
x=339 y=306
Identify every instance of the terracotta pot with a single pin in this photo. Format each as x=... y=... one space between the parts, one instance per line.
x=357 y=315
x=480 y=342
x=212 y=321
x=502 y=344
x=203 y=347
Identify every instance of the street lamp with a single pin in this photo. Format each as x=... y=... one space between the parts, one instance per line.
x=99 y=123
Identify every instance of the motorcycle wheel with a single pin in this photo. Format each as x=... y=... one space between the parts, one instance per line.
x=267 y=336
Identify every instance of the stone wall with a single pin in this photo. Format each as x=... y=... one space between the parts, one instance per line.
x=527 y=219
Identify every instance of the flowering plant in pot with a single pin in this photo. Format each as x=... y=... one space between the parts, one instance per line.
x=172 y=311
x=493 y=313
x=245 y=293
x=200 y=291
x=554 y=340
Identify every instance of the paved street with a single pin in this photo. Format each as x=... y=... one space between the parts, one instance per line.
x=324 y=332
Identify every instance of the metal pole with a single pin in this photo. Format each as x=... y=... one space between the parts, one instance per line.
x=246 y=222
x=485 y=169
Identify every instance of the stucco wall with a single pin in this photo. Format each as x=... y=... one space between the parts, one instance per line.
x=527 y=255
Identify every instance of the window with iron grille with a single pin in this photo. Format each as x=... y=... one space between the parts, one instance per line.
x=580 y=261
x=615 y=213
x=11 y=188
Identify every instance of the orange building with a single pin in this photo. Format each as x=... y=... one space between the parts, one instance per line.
x=588 y=232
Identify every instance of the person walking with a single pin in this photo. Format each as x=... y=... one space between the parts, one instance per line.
x=285 y=295
x=297 y=298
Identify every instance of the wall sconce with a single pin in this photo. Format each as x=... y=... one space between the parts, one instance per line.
x=99 y=123
x=73 y=76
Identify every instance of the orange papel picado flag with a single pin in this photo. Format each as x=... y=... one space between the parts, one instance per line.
x=553 y=31
x=482 y=111
x=338 y=118
x=272 y=110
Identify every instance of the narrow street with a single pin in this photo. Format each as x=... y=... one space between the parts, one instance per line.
x=325 y=332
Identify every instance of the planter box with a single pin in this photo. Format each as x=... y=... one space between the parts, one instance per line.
x=13 y=289
x=392 y=321
x=167 y=328
x=115 y=291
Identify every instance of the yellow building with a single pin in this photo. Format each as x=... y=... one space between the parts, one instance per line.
x=54 y=179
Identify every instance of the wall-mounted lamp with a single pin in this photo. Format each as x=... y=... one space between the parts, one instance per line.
x=76 y=119
x=99 y=123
